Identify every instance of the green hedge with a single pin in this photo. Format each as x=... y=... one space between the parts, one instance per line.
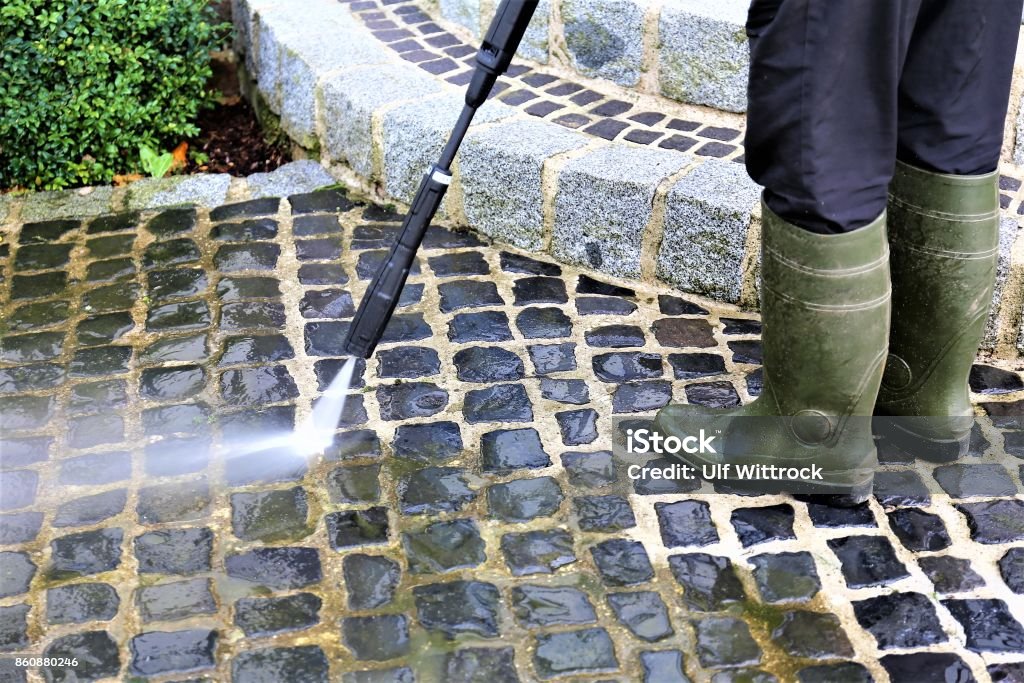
x=85 y=83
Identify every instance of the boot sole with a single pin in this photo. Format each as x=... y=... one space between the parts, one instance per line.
x=921 y=446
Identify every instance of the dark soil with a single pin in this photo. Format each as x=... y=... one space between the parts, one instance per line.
x=232 y=138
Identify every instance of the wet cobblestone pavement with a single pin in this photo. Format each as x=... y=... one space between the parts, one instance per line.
x=468 y=522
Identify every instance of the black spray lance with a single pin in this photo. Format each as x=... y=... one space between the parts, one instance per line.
x=492 y=60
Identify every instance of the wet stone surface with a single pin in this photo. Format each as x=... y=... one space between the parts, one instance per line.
x=479 y=664
x=176 y=600
x=260 y=256
x=572 y=391
x=919 y=530
x=378 y=637
x=900 y=620
x=937 y=666
x=575 y=652
x=511 y=449
x=589 y=470
x=543 y=323
x=280 y=568
x=18 y=573
x=725 y=641
x=174 y=551
x=245 y=231
x=812 y=635
x=371 y=580
x=988 y=624
x=270 y=515
x=549 y=358
x=158 y=652
x=685 y=523
x=268 y=664
x=713 y=394
x=1011 y=566
x=603 y=513
x=468 y=294
x=950 y=574
x=643 y=613
x=96 y=649
x=443 y=547
x=867 y=561
x=786 y=577
x=465 y=519
x=543 y=606
x=622 y=563
x=997 y=521
x=485 y=326
x=488 y=364
x=760 y=524
x=626 y=367
x=357 y=527
x=435 y=489
x=537 y=552
x=414 y=399
x=458 y=607
x=709 y=582
x=521 y=500
x=13 y=627
x=641 y=397
x=87 y=552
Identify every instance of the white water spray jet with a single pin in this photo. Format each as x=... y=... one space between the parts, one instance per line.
x=316 y=433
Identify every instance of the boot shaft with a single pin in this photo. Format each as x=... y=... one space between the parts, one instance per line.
x=825 y=307
x=944 y=236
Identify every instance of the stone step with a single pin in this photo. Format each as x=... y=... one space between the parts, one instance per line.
x=597 y=175
x=692 y=51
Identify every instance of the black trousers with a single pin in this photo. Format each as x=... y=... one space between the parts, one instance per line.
x=840 y=89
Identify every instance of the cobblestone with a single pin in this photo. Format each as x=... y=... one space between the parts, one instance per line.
x=469 y=491
x=900 y=620
x=868 y=561
x=96 y=649
x=175 y=601
x=537 y=552
x=524 y=499
x=709 y=582
x=458 y=607
x=786 y=577
x=575 y=652
x=371 y=580
x=444 y=546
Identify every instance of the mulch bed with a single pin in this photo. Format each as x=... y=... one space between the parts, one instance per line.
x=232 y=138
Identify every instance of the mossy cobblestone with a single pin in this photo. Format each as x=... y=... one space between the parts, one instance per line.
x=469 y=518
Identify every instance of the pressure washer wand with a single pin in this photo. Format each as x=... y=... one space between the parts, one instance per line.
x=492 y=60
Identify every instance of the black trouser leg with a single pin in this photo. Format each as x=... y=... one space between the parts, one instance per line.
x=837 y=87
x=955 y=87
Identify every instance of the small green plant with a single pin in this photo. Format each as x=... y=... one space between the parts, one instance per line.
x=84 y=84
x=153 y=164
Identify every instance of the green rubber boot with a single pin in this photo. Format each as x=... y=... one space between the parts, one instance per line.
x=825 y=312
x=944 y=236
